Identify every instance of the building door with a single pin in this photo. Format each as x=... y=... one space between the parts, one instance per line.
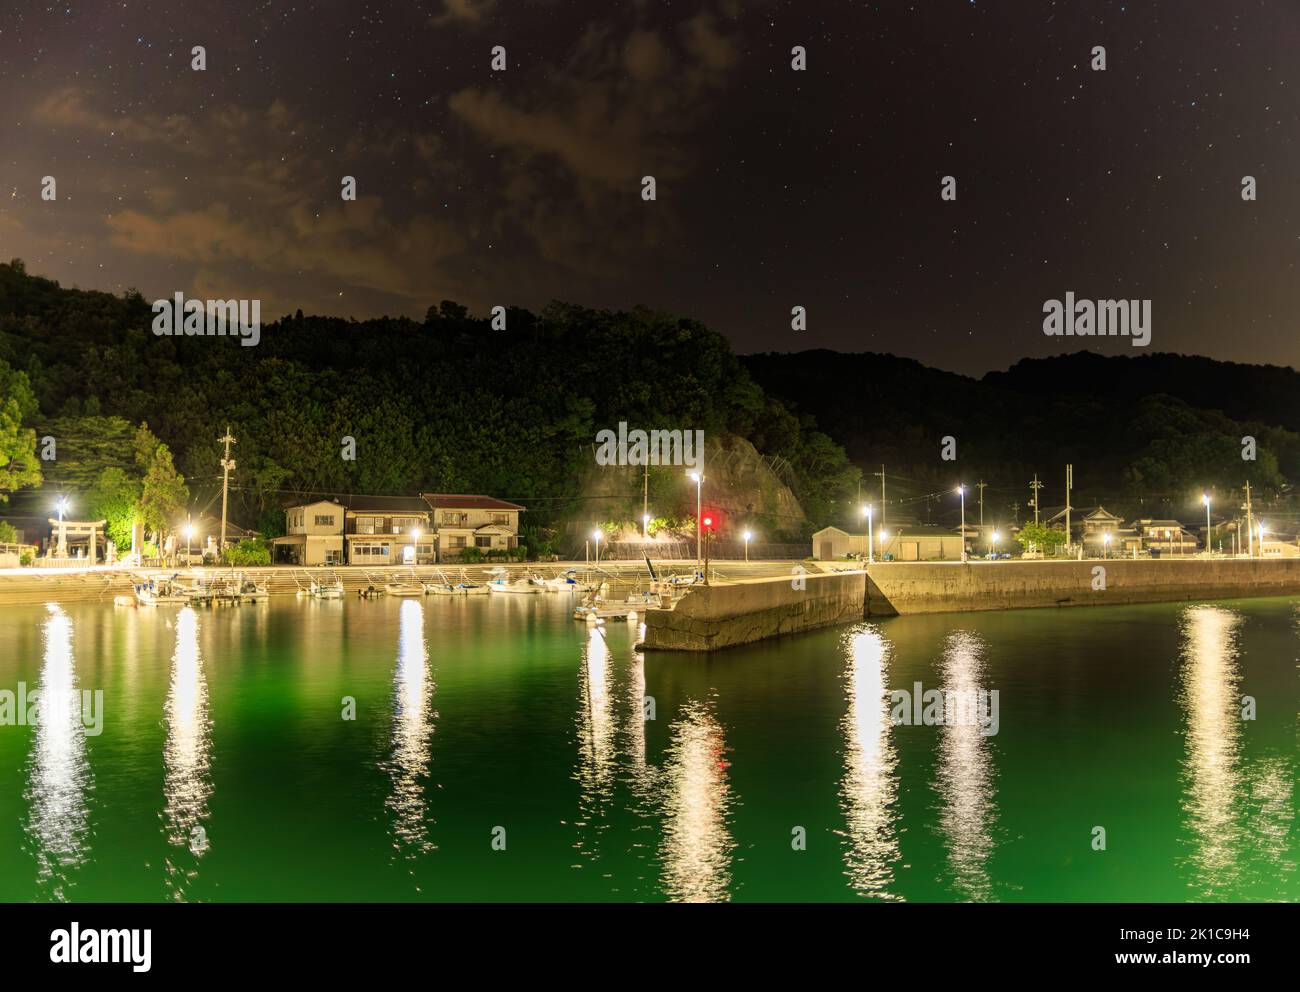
x=827 y=552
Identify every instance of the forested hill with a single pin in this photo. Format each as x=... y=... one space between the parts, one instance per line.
x=446 y=404
x=1151 y=431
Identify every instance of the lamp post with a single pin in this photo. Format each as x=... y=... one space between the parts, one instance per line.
x=866 y=510
x=645 y=527
x=595 y=536
x=1206 y=497
x=995 y=544
x=62 y=550
x=1105 y=543
x=699 y=530
x=748 y=535
x=884 y=536
x=961 y=491
x=189 y=539
x=415 y=546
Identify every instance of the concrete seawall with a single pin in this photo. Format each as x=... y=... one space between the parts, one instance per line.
x=946 y=587
x=720 y=616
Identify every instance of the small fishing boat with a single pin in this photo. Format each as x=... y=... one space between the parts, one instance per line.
x=403 y=589
x=326 y=587
x=161 y=592
x=525 y=585
x=249 y=591
x=469 y=588
x=441 y=586
x=566 y=581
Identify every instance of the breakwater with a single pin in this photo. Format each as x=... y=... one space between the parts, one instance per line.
x=723 y=616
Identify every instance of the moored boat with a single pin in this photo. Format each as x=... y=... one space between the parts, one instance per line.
x=403 y=589
x=522 y=586
x=161 y=592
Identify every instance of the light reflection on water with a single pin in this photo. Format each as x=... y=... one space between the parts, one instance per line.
x=597 y=752
x=696 y=846
x=187 y=760
x=59 y=777
x=965 y=778
x=869 y=788
x=412 y=732
x=1238 y=812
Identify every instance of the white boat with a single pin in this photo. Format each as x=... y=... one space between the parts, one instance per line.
x=161 y=592
x=467 y=588
x=250 y=591
x=526 y=586
x=403 y=589
x=325 y=587
x=565 y=582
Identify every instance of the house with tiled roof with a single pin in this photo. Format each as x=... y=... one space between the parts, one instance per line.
x=466 y=520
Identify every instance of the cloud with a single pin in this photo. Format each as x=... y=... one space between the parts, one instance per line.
x=464 y=11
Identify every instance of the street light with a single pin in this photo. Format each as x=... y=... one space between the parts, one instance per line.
x=871 y=556
x=595 y=536
x=995 y=544
x=961 y=491
x=645 y=527
x=415 y=545
x=1105 y=540
x=748 y=535
x=699 y=531
x=62 y=506
x=1206 y=497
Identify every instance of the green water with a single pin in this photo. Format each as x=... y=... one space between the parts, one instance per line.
x=226 y=771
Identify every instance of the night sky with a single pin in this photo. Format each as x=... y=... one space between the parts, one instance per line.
x=776 y=188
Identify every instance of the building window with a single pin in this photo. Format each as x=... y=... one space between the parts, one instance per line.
x=324 y=520
x=457 y=542
x=501 y=518
x=483 y=542
x=368 y=525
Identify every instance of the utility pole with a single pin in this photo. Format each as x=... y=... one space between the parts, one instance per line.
x=645 y=503
x=1069 y=481
x=1250 y=525
x=1035 y=486
x=981 y=485
x=226 y=465
x=881 y=473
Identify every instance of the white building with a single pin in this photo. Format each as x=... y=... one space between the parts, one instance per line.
x=314 y=534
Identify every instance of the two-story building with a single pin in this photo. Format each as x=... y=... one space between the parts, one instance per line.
x=388 y=530
x=313 y=535
x=1103 y=534
x=1165 y=537
x=464 y=520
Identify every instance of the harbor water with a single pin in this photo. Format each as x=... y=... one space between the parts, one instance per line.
x=491 y=748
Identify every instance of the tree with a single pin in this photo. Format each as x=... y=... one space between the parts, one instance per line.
x=163 y=493
x=19 y=465
x=1034 y=537
x=8 y=535
x=248 y=553
x=115 y=497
